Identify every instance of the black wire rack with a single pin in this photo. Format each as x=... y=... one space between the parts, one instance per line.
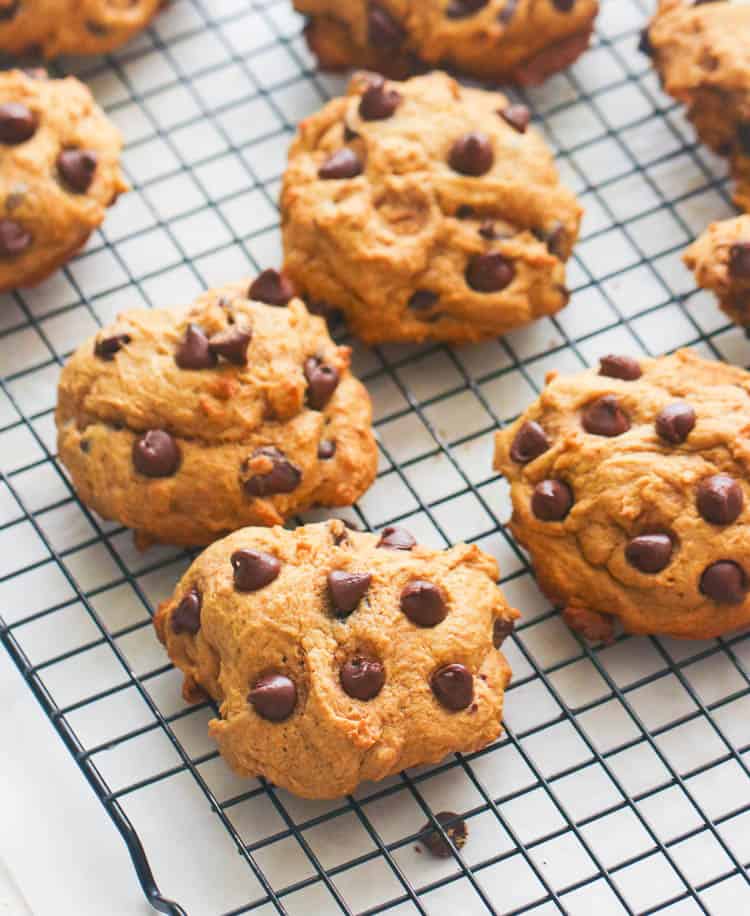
x=621 y=784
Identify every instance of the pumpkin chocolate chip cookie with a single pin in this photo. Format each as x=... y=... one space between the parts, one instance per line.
x=521 y=41
x=55 y=27
x=628 y=485
x=720 y=260
x=702 y=53
x=337 y=656
x=426 y=210
x=188 y=423
x=59 y=171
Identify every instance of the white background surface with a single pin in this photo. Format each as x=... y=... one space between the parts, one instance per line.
x=631 y=760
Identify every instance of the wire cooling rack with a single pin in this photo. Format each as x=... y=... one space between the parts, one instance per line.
x=622 y=782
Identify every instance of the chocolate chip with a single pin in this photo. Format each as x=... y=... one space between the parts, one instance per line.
x=186 y=617
x=725 y=582
x=284 y=477
x=557 y=244
x=649 y=553
x=194 y=351
x=107 y=348
x=347 y=590
x=507 y=12
x=271 y=287
x=644 y=44
x=383 y=31
x=472 y=155
x=156 y=454
x=622 y=367
x=343 y=164
x=326 y=449
x=605 y=417
x=490 y=272
x=529 y=443
x=231 y=344
x=453 y=685
x=739 y=261
x=501 y=630
x=564 y=6
x=322 y=381
x=675 y=422
x=423 y=299
x=362 y=677
x=14 y=239
x=394 y=538
x=460 y=9
x=378 y=102
x=551 y=500
x=254 y=569
x=488 y=231
x=518 y=116
x=350 y=134
x=465 y=212
x=77 y=168
x=17 y=123
x=423 y=603
x=454 y=827
x=273 y=697
x=9 y=11
x=719 y=499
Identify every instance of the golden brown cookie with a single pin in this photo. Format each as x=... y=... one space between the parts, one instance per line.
x=59 y=171
x=720 y=260
x=521 y=41
x=337 y=656
x=702 y=53
x=55 y=27
x=629 y=486
x=188 y=423
x=425 y=210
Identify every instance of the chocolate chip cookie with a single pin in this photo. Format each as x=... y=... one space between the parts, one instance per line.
x=720 y=259
x=188 y=423
x=53 y=27
x=426 y=210
x=702 y=53
x=59 y=171
x=628 y=485
x=337 y=656
x=521 y=41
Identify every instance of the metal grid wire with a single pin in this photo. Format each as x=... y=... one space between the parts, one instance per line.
x=621 y=784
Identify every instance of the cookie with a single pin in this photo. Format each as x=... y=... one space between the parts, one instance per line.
x=629 y=484
x=702 y=54
x=59 y=171
x=521 y=41
x=49 y=28
x=426 y=210
x=337 y=656
x=186 y=424
x=720 y=260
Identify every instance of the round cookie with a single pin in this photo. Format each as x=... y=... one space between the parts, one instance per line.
x=630 y=487
x=702 y=53
x=59 y=171
x=53 y=27
x=426 y=210
x=521 y=41
x=720 y=260
x=188 y=423
x=337 y=656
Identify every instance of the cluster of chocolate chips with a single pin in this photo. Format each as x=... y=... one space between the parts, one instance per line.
x=76 y=168
x=156 y=452
x=719 y=498
x=362 y=676
x=471 y=154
